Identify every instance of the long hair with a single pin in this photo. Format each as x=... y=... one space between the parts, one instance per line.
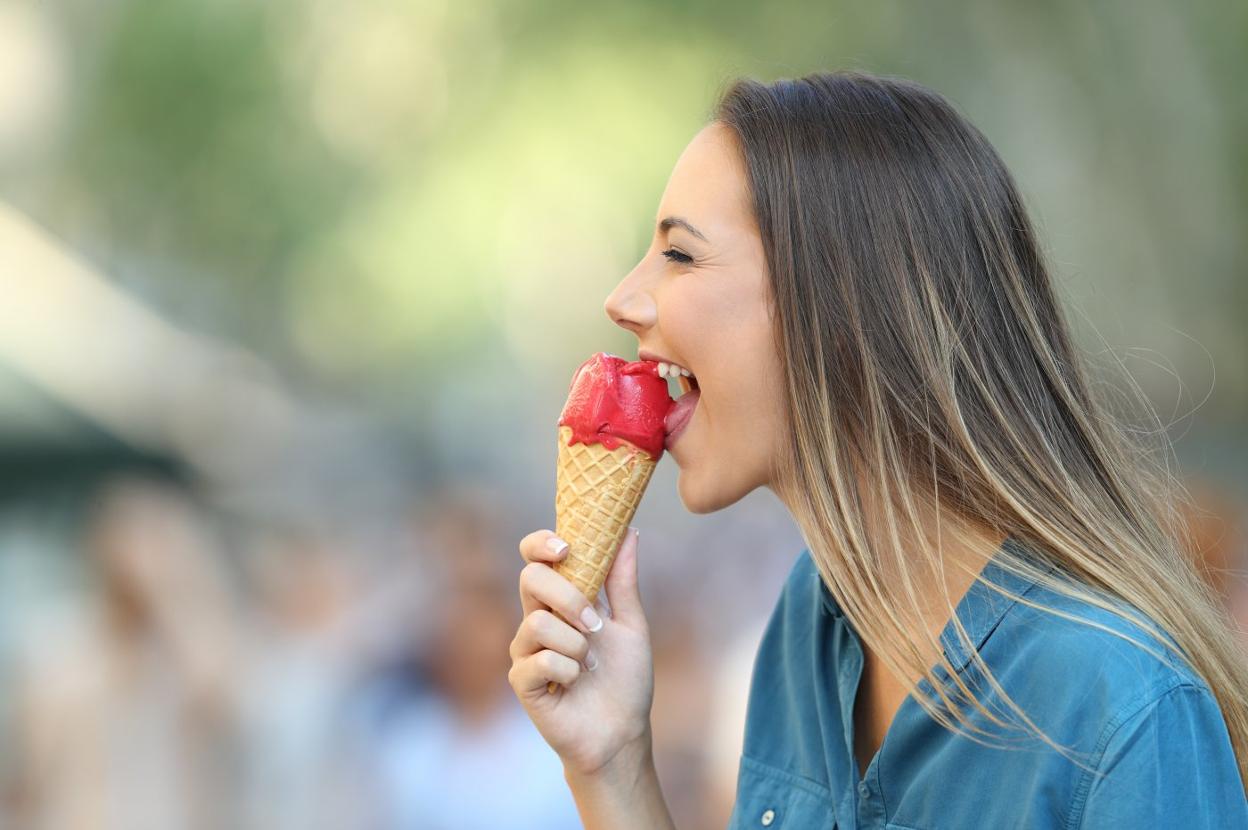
x=929 y=368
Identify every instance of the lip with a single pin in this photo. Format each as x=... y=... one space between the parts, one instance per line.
x=646 y=354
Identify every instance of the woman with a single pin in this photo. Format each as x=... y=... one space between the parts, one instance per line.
x=993 y=624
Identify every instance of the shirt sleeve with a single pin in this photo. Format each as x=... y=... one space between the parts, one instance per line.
x=1170 y=764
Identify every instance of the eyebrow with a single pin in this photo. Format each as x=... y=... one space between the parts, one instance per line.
x=678 y=222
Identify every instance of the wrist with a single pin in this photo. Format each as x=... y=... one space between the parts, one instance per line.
x=621 y=771
x=623 y=793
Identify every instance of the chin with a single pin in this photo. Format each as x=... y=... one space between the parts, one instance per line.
x=701 y=498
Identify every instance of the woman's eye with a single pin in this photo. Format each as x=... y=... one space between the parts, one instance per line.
x=676 y=256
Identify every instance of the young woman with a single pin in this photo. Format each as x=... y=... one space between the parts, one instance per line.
x=994 y=623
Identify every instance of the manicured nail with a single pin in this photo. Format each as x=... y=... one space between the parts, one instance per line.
x=591 y=619
x=556 y=545
x=591 y=662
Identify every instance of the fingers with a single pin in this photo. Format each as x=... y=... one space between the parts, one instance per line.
x=543 y=630
x=541 y=587
x=621 y=583
x=531 y=674
x=541 y=546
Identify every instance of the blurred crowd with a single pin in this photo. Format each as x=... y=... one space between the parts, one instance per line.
x=201 y=678
x=197 y=677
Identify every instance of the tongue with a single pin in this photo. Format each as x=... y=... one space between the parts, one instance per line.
x=681 y=410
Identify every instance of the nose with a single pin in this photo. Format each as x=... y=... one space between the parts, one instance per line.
x=629 y=305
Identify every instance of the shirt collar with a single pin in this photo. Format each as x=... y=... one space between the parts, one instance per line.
x=981 y=608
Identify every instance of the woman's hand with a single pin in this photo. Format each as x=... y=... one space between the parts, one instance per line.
x=593 y=715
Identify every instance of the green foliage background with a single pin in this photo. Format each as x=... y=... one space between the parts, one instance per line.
x=389 y=198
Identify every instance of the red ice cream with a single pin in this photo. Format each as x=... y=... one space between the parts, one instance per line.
x=611 y=399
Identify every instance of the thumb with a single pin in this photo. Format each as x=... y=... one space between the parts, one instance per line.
x=621 y=582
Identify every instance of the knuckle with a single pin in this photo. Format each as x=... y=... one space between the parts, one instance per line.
x=531 y=572
x=561 y=666
x=558 y=666
x=532 y=626
x=527 y=574
x=546 y=662
x=541 y=621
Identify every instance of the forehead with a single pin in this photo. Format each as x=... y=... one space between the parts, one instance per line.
x=708 y=185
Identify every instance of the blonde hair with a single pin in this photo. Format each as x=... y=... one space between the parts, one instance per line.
x=929 y=371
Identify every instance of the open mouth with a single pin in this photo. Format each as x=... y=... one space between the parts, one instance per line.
x=683 y=385
x=682 y=409
x=679 y=379
x=684 y=391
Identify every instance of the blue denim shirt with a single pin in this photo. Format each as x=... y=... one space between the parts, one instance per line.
x=1153 y=728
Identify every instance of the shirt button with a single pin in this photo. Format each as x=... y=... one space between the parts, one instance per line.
x=863 y=789
x=768 y=817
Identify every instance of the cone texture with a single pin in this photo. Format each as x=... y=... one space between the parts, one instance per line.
x=597 y=491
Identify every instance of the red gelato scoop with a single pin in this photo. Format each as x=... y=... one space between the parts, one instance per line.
x=611 y=399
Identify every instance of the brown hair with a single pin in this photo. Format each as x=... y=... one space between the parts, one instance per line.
x=928 y=365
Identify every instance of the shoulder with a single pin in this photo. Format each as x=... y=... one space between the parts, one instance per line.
x=1111 y=685
x=1119 y=654
x=1119 y=660
x=1167 y=762
x=1140 y=716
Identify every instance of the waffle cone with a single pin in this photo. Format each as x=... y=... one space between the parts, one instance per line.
x=597 y=491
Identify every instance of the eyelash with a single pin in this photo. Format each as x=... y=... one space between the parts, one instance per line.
x=674 y=255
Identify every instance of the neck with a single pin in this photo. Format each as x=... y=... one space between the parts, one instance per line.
x=960 y=548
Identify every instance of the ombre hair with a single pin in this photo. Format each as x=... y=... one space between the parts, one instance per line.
x=928 y=369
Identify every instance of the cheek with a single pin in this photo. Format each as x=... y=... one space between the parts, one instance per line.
x=728 y=337
x=746 y=379
x=731 y=450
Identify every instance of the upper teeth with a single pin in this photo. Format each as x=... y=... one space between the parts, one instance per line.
x=671 y=370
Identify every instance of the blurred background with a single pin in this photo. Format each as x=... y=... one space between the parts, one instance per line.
x=290 y=296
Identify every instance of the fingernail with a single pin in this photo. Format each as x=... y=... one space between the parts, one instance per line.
x=556 y=545
x=591 y=619
x=591 y=662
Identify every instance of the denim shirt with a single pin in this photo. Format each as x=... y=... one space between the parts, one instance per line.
x=1151 y=730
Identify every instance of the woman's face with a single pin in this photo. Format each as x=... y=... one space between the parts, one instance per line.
x=702 y=302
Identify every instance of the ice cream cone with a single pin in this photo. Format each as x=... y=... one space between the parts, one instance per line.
x=611 y=435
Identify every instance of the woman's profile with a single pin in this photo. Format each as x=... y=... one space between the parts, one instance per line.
x=993 y=623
